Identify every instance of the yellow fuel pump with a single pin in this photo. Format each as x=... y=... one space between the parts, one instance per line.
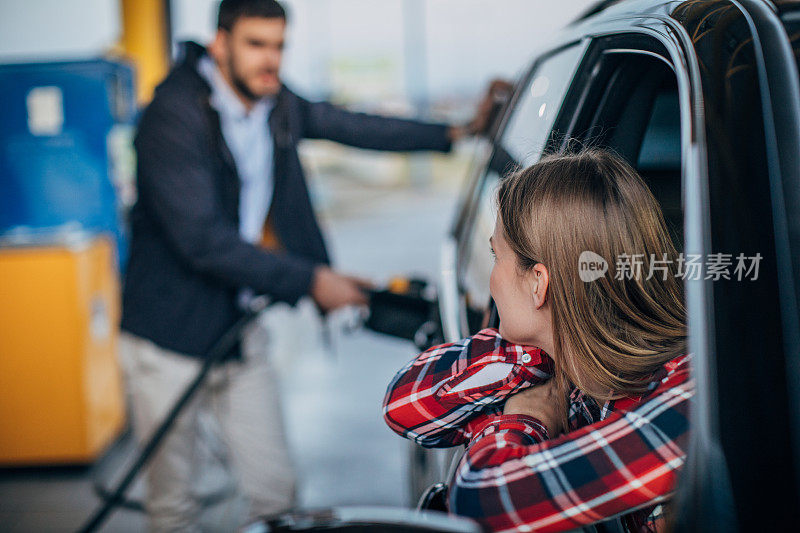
x=61 y=394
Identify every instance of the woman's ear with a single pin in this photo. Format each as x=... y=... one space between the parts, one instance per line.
x=540 y=279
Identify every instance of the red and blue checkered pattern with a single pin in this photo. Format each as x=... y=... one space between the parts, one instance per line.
x=618 y=459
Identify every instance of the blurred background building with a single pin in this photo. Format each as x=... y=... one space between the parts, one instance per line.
x=385 y=214
x=426 y=58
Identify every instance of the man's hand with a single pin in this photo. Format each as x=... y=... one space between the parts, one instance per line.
x=542 y=402
x=498 y=92
x=332 y=290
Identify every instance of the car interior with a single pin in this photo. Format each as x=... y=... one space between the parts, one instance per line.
x=636 y=113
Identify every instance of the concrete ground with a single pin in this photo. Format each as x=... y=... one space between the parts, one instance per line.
x=343 y=452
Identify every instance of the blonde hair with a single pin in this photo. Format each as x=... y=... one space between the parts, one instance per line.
x=610 y=334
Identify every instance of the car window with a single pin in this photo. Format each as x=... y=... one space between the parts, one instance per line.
x=659 y=159
x=635 y=112
x=478 y=260
x=529 y=127
x=521 y=143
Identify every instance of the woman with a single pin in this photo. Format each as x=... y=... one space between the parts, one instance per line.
x=576 y=410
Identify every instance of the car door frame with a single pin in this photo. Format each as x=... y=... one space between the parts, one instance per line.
x=781 y=107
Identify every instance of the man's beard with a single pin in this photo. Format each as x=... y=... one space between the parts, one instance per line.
x=240 y=84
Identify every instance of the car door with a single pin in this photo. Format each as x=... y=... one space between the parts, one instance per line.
x=637 y=91
x=716 y=138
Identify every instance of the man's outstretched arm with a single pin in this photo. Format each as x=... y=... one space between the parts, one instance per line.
x=323 y=120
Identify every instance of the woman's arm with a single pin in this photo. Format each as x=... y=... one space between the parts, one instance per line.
x=437 y=398
x=512 y=475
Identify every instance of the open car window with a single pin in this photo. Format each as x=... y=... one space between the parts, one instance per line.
x=632 y=108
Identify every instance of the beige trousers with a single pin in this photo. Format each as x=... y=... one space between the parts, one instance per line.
x=242 y=398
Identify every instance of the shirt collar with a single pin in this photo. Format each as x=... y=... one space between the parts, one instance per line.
x=223 y=97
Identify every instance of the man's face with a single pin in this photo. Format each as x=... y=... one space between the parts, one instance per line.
x=250 y=55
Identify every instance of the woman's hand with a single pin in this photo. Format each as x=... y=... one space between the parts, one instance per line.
x=542 y=402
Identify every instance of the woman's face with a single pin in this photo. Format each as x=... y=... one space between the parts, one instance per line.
x=520 y=296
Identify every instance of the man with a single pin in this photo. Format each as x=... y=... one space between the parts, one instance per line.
x=223 y=213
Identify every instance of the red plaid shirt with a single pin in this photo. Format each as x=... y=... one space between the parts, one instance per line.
x=621 y=458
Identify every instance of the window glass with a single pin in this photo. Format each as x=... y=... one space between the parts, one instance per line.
x=523 y=140
x=478 y=260
x=527 y=131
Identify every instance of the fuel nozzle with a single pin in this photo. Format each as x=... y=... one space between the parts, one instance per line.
x=412 y=287
x=406 y=308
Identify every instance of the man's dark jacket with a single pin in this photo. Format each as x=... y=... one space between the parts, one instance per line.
x=187 y=261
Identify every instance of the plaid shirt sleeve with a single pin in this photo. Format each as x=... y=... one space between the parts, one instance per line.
x=513 y=479
x=440 y=397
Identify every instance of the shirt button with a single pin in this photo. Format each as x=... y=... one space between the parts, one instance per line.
x=526 y=358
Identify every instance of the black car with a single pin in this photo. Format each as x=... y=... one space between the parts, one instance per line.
x=702 y=97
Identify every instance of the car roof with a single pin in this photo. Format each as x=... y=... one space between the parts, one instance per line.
x=604 y=12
